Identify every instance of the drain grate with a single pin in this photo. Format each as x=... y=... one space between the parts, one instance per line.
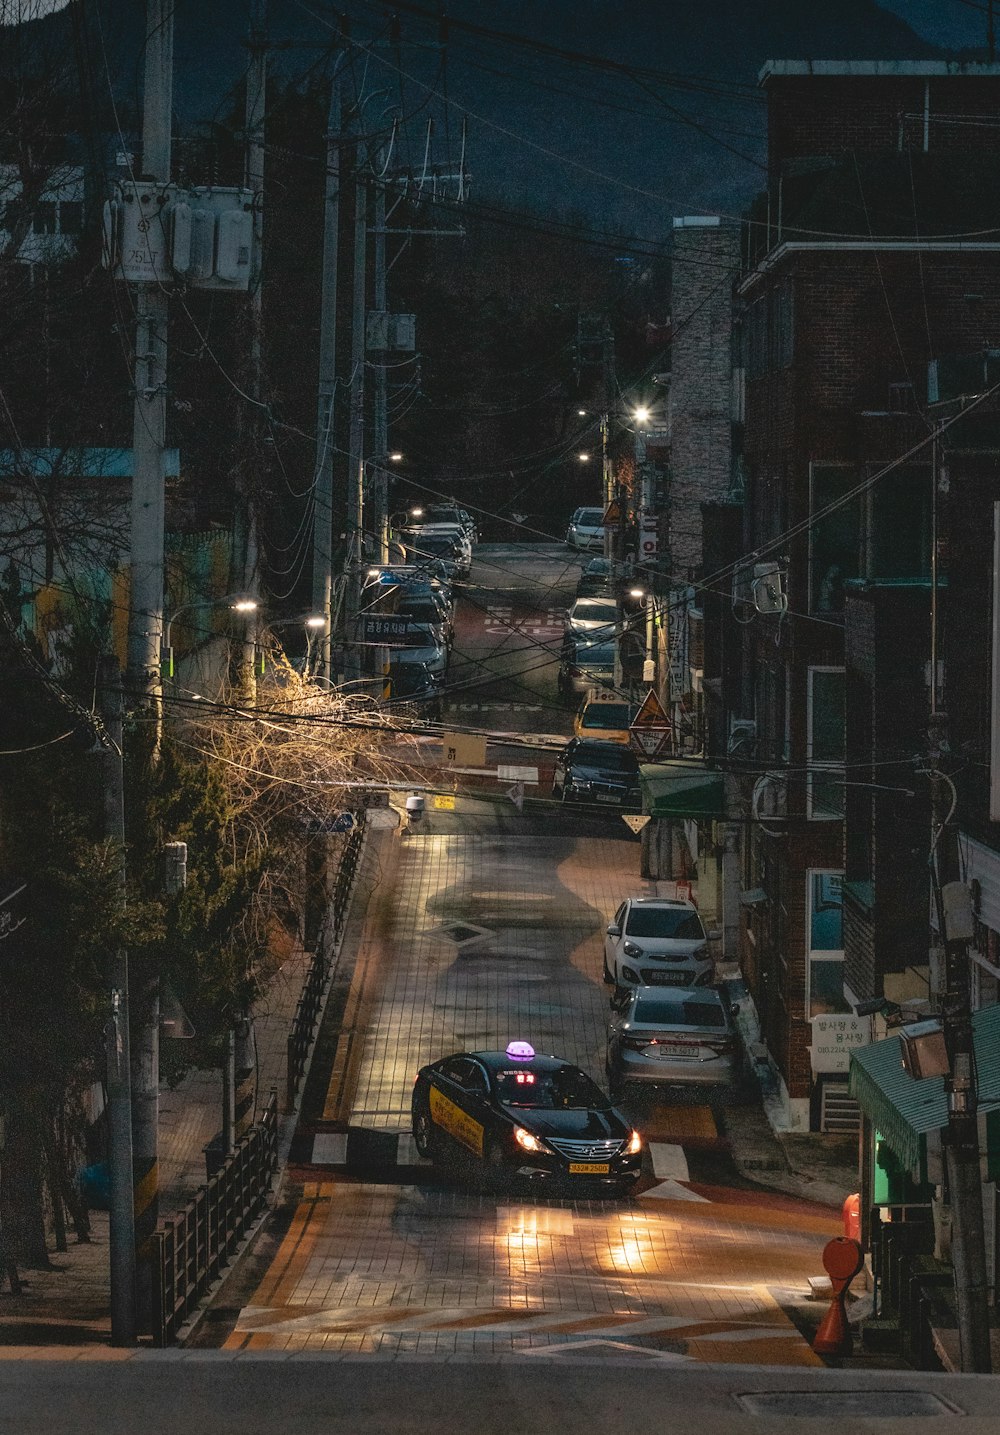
x=834 y=1405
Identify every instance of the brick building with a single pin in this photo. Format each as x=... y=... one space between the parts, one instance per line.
x=871 y=255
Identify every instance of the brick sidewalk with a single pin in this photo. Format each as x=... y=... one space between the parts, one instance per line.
x=69 y=1304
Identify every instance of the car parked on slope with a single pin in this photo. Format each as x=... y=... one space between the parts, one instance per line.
x=659 y=1037
x=522 y=1114
x=587 y=664
x=599 y=773
x=586 y=530
x=657 y=941
x=605 y=716
x=593 y=617
x=597 y=579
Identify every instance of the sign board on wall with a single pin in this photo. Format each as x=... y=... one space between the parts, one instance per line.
x=464 y=749
x=649 y=536
x=833 y=1036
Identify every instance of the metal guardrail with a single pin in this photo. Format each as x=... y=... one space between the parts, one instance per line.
x=303 y=1028
x=910 y=1287
x=190 y=1250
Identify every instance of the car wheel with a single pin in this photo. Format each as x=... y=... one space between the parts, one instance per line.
x=423 y=1134
x=608 y=977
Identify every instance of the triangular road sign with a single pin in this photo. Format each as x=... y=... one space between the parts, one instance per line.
x=516 y=795
x=634 y=821
x=649 y=742
x=651 y=713
x=612 y=514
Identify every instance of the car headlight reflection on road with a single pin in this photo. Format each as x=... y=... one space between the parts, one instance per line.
x=634 y=1144
x=526 y=1141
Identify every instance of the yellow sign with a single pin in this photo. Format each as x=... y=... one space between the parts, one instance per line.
x=612 y=514
x=458 y=1123
x=444 y=802
x=651 y=713
x=464 y=749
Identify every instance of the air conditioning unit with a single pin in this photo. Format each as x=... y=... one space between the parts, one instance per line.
x=742 y=733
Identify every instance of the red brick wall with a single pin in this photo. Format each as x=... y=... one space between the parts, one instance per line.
x=812 y=115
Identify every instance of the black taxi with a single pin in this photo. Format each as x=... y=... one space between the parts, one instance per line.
x=522 y=1114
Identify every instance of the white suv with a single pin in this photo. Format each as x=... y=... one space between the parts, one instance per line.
x=657 y=942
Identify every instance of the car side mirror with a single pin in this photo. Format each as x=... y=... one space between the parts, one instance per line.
x=614 y=930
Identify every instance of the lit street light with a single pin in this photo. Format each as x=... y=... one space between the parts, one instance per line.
x=236 y=605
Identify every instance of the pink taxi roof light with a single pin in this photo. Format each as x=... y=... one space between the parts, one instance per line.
x=520 y=1051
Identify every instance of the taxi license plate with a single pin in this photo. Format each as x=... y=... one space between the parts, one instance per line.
x=589 y=1168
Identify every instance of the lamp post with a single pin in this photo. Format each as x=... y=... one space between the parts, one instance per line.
x=236 y=604
x=649 y=664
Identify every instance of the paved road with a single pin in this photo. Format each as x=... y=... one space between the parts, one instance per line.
x=471 y=940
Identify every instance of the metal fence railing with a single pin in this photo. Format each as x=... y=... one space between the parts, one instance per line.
x=303 y=1029
x=910 y=1289
x=191 y=1249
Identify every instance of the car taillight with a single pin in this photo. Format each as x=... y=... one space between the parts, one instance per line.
x=636 y=1043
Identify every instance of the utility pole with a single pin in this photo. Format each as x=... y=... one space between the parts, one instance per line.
x=356 y=445
x=247 y=554
x=322 y=578
x=122 y=1223
x=150 y=385
x=380 y=431
x=146 y=616
x=955 y=925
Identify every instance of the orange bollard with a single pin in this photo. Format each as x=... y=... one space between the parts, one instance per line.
x=851 y=1213
x=842 y=1259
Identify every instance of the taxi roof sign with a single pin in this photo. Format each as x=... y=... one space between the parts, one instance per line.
x=651 y=713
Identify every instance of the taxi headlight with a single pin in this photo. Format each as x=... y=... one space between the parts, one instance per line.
x=634 y=1144
x=526 y=1141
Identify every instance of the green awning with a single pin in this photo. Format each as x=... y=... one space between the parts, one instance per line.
x=903 y=1110
x=681 y=787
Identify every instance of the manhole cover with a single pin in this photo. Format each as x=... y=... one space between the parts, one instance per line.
x=836 y=1405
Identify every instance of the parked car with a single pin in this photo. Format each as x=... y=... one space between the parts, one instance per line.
x=586 y=665
x=586 y=530
x=518 y=1113
x=450 y=513
x=656 y=941
x=426 y=618
x=593 y=617
x=417 y=579
x=597 y=579
x=605 y=716
x=412 y=682
x=602 y=773
x=432 y=656
x=659 y=1037
x=446 y=543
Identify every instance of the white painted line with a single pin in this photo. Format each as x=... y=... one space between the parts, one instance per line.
x=671 y=1191
x=330 y=1148
x=669 y=1161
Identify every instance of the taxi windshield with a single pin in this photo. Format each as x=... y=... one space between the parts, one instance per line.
x=566 y=1089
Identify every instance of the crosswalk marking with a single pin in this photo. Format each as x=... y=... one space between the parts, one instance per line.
x=668 y=1160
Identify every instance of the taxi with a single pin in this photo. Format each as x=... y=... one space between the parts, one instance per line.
x=521 y=1114
x=604 y=716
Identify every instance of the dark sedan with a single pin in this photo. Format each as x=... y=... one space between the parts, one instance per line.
x=521 y=1114
x=605 y=774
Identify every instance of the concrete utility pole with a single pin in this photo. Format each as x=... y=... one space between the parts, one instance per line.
x=122 y=1224
x=322 y=576
x=146 y=615
x=150 y=384
x=247 y=576
x=356 y=446
x=955 y=926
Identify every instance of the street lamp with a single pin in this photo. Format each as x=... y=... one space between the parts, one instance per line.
x=583 y=457
x=641 y=414
x=236 y=604
x=649 y=664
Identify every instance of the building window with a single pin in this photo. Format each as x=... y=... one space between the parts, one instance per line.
x=834 y=540
x=824 y=944
x=825 y=744
x=899 y=524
